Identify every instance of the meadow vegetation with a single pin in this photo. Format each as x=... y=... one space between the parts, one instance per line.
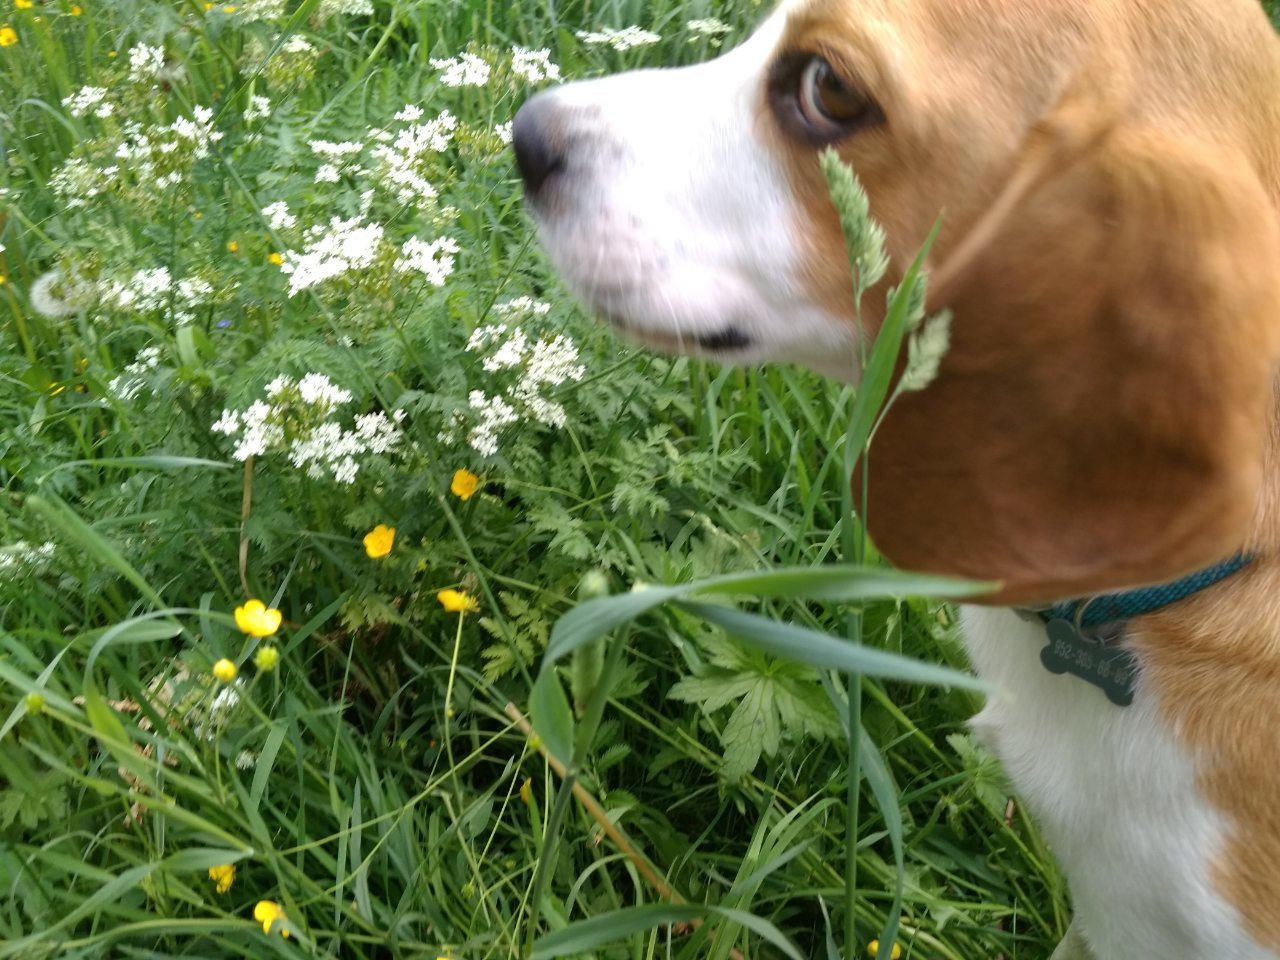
x=305 y=452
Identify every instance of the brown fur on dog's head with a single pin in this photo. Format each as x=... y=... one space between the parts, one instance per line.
x=1112 y=257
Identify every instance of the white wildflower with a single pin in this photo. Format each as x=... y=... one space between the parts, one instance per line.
x=278 y=216
x=295 y=420
x=89 y=100
x=345 y=245
x=709 y=27
x=253 y=11
x=77 y=181
x=495 y=414
x=246 y=760
x=327 y=173
x=433 y=260
x=319 y=391
x=297 y=44
x=20 y=558
x=259 y=108
x=620 y=40
x=521 y=307
x=402 y=164
x=481 y=337
x=503 y=131
x=464 y=70
x=145 y=63
x=337 y=152
x=351 y=8
x=410 y=114
x=533 y=65
x=130 y=383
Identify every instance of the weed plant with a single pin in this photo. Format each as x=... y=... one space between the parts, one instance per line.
x=276 y=330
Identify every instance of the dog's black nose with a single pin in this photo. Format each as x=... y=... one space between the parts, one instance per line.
x=533 y=137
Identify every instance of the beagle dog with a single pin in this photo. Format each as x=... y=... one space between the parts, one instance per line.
x=1106 y=419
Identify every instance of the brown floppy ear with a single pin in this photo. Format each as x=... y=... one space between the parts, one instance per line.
x=1101 y=417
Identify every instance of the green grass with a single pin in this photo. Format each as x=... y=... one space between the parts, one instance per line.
x=375 y=784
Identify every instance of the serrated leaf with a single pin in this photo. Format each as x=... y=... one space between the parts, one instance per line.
x=712 y=690
x=753 y=728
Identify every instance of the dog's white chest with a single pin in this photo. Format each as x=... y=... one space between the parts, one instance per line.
x=1115 y=794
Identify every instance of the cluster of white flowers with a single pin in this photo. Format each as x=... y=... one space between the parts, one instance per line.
x=710 y=27
x=22 y=559
x=155 y=289
x=259 y=108
x=351 y=8
x=88 y=100
x=533 y=65
x=298 y=44
x=339 y=159
x=278 y=216
x=253 y=11
x=145 y=63
x=295 y=419
x=130 y=383
x=434 y=259
x=521 y=307
x=403 y=160
x=503 y=131
x=464 y=70
x=620 y=40
x=160 y=156
x=539 y=366
x=77 y=181
x=332 y=251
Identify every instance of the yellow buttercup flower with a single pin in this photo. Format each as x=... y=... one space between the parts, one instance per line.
x=257 y=619
x=23 y=4
x=75 y=10
x=267 y=912
x=224 y=670
x=873 y=948
x=266 y=659
x=455 y=601
x=379 y=540
x=275 y=258
x=223 y=877
x=464 y=484
x=233 y=247
x=8 y=36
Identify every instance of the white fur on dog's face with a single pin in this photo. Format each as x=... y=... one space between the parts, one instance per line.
x=673 y=220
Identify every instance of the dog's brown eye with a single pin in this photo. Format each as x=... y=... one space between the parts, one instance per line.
x=827 y=103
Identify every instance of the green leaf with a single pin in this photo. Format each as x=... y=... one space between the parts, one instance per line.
x=849 y=583
x=550 y=715
x=753 y=728
x=59 y=515
x=578 y=938
x=823 y=650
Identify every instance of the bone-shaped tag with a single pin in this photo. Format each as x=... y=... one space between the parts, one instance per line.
x=1113 y=670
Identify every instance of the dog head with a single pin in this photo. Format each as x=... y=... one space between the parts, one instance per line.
x=1107 y=175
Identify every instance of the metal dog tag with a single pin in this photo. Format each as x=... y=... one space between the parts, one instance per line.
x=1113 y=670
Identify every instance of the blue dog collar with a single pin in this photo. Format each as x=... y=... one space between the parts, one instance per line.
x=1084 y=635
x=1111 y=607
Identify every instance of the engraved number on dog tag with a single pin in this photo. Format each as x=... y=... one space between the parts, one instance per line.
x=1111 y=669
